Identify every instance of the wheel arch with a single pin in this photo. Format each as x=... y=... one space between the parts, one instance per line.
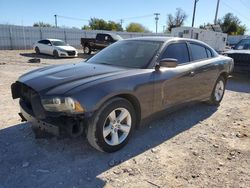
x=224 y=75
x=133 y=100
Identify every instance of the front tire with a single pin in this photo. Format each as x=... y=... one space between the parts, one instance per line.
x=218 y=91
x=112 y=125
x=56 y=54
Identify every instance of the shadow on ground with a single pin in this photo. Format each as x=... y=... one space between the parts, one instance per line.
x=44 y=56
x=27 y=162
x=239 y=83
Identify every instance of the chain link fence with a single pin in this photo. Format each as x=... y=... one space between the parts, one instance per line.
x=23 y=37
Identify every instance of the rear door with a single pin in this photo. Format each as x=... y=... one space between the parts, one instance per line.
x=206 y=69
x=41 y=46
x=174 y=86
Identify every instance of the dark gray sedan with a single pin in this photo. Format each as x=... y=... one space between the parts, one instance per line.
x=110 y=93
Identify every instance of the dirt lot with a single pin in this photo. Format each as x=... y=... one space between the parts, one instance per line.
x=199 y=146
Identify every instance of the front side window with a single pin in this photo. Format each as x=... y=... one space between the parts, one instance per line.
x=127 y=53
x=58 y=43
x=243 y=45
x=177 y=51
x=198 y=52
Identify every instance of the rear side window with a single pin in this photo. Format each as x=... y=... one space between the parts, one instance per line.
x=198 y=52
x=177 y=51
x=100 y=37
x=41 y=42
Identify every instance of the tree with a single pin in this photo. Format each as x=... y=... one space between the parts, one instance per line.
x=231 y=25
x=100 y=24
x=177 y=20
x=41 y=24
x=136 y=27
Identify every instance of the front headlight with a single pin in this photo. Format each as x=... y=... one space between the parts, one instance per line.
x=61 y=50
x=58 y=104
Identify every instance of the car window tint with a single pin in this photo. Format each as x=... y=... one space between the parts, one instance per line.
x=209 y=53
x=46 y=42
x=100 y=37
x=40 y=42
x=198 y=52
x=177 y=51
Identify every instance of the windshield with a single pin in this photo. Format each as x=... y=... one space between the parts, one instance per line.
x=127 y=53
x=243 y=45
x=58 y=43
x=116 y=37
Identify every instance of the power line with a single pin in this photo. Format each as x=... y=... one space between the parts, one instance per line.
x=245 y=4
x=72 y=18
x=138 y=17
x=239 y=13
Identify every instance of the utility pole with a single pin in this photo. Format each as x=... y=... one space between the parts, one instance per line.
x=55 y=20
x=195 y=2
x=156 y=21
x=121 y=22
x=163 y=29
x=216 y=13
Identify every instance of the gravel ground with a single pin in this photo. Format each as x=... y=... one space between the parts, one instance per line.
x=198 y=146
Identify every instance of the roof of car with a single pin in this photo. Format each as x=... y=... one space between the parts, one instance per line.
x=54 y=39
x=166 y=39
x=162 y=38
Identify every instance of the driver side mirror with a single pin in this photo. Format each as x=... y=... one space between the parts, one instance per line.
x=167 y=62
x=49 y=44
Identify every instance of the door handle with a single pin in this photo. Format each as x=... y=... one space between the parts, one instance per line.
x=192 y=73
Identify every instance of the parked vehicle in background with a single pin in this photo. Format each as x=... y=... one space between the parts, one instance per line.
x=101 y=41
x=241 y=55
x=110 y=93
x=217 y=40
x=55 y=47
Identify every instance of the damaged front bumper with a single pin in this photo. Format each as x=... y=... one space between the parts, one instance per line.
x=38 y=124
x=31 y=110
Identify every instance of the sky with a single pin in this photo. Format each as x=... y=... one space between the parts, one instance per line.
x=26 y=12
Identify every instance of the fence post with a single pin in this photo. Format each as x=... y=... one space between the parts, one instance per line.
x=41 y=34
x=24 y=38
x=65 y=38
x=11 y=42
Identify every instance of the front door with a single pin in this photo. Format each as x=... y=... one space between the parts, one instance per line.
x=174 y=86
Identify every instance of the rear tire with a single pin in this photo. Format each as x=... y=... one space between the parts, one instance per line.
x=37 y=50
x=112 y=125
x=55 y=54
x=87 y=49
x=218 y=91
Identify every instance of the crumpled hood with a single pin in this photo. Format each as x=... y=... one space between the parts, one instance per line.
x=62 y=78
x=238 y=52
x=67 y=48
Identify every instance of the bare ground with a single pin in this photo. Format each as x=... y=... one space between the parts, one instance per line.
x=198 y=146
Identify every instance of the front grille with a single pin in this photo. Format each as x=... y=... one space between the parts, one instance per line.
x=71 y=53
x=26 y=95
x=32 y=101
x=240 y=59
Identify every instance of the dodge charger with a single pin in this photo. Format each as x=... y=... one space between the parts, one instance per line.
x=108 y=95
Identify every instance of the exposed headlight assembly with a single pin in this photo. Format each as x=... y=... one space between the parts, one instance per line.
x=58 y=104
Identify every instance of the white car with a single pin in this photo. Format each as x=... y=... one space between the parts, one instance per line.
x=55 y=47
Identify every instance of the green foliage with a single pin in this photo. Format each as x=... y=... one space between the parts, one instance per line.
x=100 y=24
x=136 y=27
x=41 y=24
x=177 y=20
x=231 y=25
